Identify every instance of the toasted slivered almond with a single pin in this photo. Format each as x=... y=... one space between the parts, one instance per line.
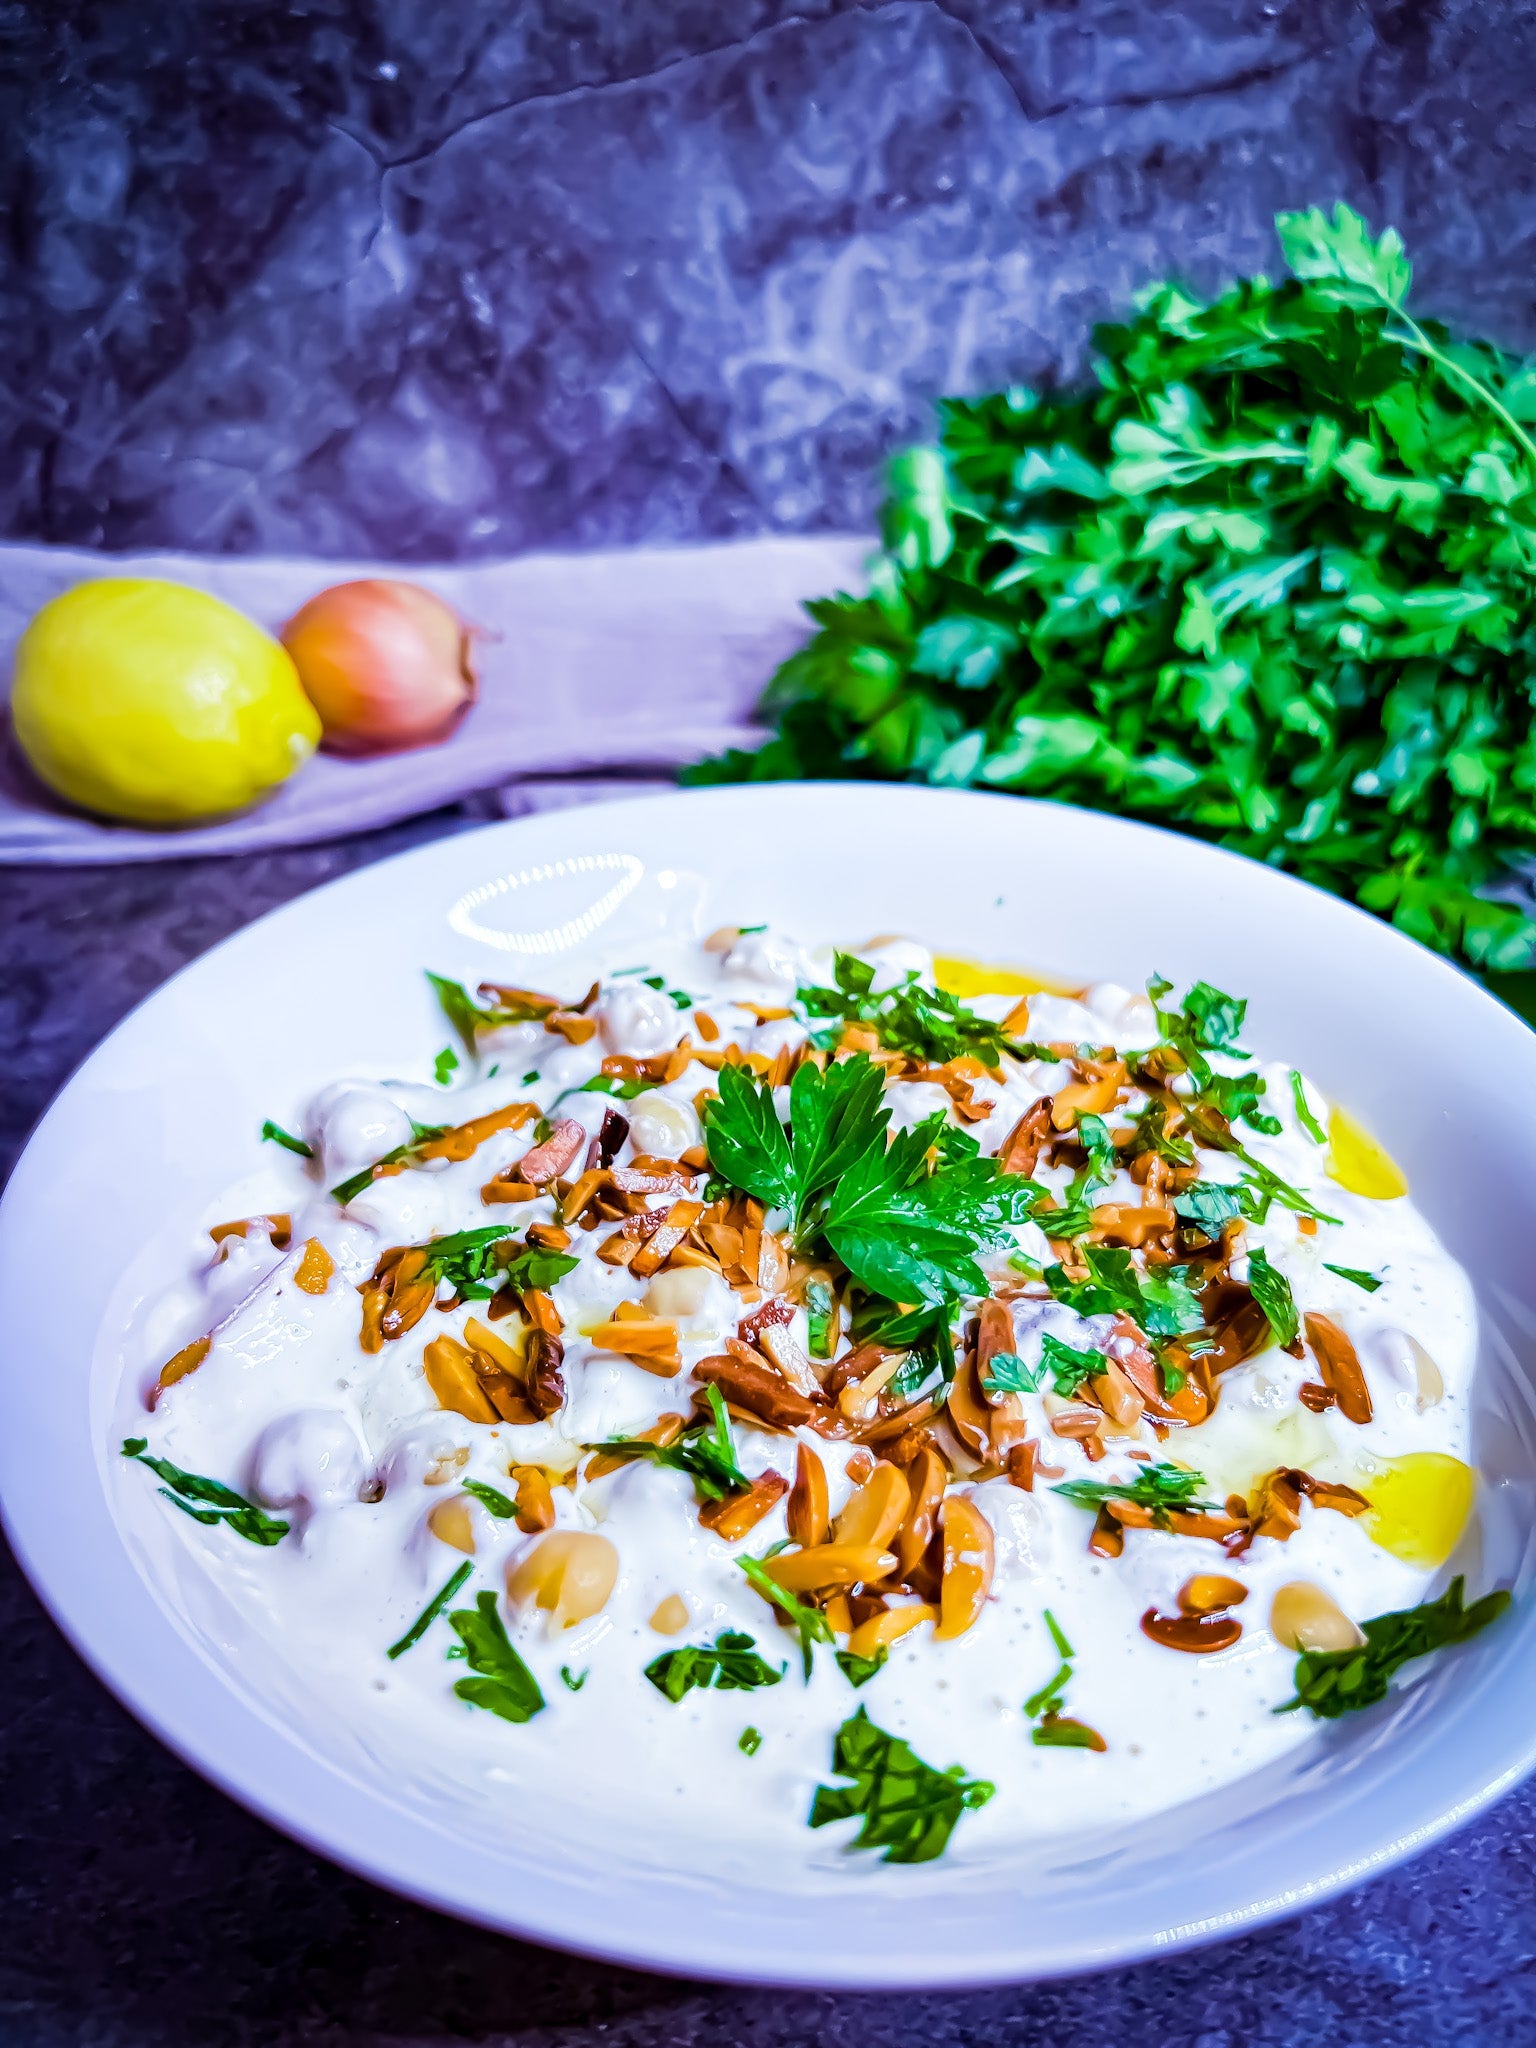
x=540 y=1310
x=709 y=1030
x=451 y=1376
x=876 y=1511
x=1210 y=1593
x=969 y=1560
x=547 y=1161
x=760 y=1390
x=1085 y=1098
x=1016 y=1023
x=738 y=1513
x=778 y=1341
x=881 y=1630
x=809 y=1520
x=1339 y=1367
x=926 y=1480
x=1020 y=1150
x=1117 y=1395
x=316 y=1268
x=496 y=1348
x=830 y=1564
x=857 y=1400
x=669 y=1233
x=722 y=938
x=513 y=1190
x=573 y=1029
x=549 y=1237
x=1128 y=1224
x=535 y=1502
x=647 y=1341
x=188 y=1359
x=1198 y=1635
x=858 y=1468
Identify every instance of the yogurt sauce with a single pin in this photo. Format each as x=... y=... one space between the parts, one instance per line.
x=354 y=1451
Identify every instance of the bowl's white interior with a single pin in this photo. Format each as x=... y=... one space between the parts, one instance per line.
x=166 y=1110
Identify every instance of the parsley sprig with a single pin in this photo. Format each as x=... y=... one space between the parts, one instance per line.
x=209 y=1501
x=925 y=1023
x=1264 y=576
x=504 y=1684
x=1334 y=1682
x=706 y=1451
x=729 y=1664
x=1158 y=1487
x=906 y=1807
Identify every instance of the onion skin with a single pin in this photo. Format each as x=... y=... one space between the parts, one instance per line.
x=387 y=665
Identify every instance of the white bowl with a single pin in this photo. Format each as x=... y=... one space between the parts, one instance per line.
x=167 y=1110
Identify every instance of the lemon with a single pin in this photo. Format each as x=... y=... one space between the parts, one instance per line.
x=1358 y=1162
x=1419 y=1506
x=157 y=703
x=967 y=978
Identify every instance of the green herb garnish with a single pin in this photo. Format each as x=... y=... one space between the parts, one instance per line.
x=1304 y=1116
x=465 y=1261
x=730 y=1664
x=208 y=1501
x=1264 y=576
x=1369 y=1281
x=445 y=1066
x=1070 y=1368
x=275 y=1134
x=402 y=1155
x=926 y=1023
x=706 y=1451
x=1158 y=1487
x=809 y=1623
x=1272 y=1291
x=749 y=1741
x=1333 y=1682
x=533 y=1268
x=1161 y=1302
x=491 y=1498
x=906 y=1807
x=1053 y=1729
x=860 y=1670
x=506 y=1686
x=573 y=1681
x=430 y=1612
x=1007 y=1373
x=1208 y=1205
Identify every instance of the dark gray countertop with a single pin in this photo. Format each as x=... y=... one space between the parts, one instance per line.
x=450 y=281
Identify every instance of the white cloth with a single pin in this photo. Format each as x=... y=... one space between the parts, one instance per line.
x=602 y=665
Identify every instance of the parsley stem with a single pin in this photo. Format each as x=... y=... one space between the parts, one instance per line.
x=430 y=1612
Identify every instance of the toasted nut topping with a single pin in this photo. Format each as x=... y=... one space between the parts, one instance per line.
x=559 y=1150
x=759 y=1389
x=1340 y=1368
x=188 y=1359
x=535 y=1503
x=666 y=1429
x=452 y=1377
x=315 y=1269
x=647 y=1341
x=569 y=1574
x=876 y=1511
x=1196 y=1634
x=831 y=1564
x=740 y=1512
x=969 y=1557
x=671 y=1615
x=679 y=1293
x=1210 y=1592
x=809 y=1521
x=451 y=1523
x=1303 y=1617
x=881 y=1630
x=927 y=1477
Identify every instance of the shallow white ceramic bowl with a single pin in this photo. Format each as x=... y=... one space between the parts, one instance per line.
x=167 y=1111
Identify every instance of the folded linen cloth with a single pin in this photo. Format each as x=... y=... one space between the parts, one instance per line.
x=616 y=667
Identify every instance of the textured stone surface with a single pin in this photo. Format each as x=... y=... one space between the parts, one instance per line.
x=452 y=279
x=461 y=279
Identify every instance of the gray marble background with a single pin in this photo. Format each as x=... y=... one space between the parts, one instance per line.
x=454 y=278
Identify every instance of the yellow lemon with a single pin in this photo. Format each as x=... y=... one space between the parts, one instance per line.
x=967 y=978
x=1419 y=1506
x=1358 y=1162
x=157 y=703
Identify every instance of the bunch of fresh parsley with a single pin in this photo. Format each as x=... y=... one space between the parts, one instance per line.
x=1268 y=578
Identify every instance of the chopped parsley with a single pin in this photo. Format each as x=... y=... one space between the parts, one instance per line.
x=860 y=1670
x=1208 y=1205
x=445 y=1066
x=1069 y=1368
x=470 y=1018
x=1334 y=1682
x=820 y=1317
x=706 y=1451
x=535 y=1269
x=729 y=1664
x=491 y=1498
x=275 y=1134
x=1369 y=1281
x=905 y=1806
x=430 y=1612
x=1053 y=1729
x=1158 y=1487
x=573 y=1681
x=402 y=1155
x=1272 y=1291
x=613 y=1084
x=1007 y=1373
x=1161 y=1302
x=679 y=998
x=925 y=1023
x=209 y=1501
x=465 y=1261
x=809 y=1623
x=505 y=1685
x=750 y=1740
x=1304 y=1116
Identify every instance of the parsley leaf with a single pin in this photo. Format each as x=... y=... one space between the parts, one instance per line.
x=1369 y=1281
x=276 y=1135
x=506 y=1687
x=860 y=1670
x=491 y=1498
x=209 y=1501
x=1208 y=1205
x=534 y=1268
x=573 y=1681
x=706 y=1451
x=1304 y=1116
x=809 y=1623
x=1262 y=575
x=1272 y=1291
x=747 y=1144
x=1069 y=1367
x=430 y=1612
x=926 y=1023
x=906 y=1807
x=1158 y=1487
x=750 y=1741
x=465 y=1261
x=445 y=1066
x=1161 y=1302
x=1334 y=1682
x=730 y=1664
x=1007 y=1373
